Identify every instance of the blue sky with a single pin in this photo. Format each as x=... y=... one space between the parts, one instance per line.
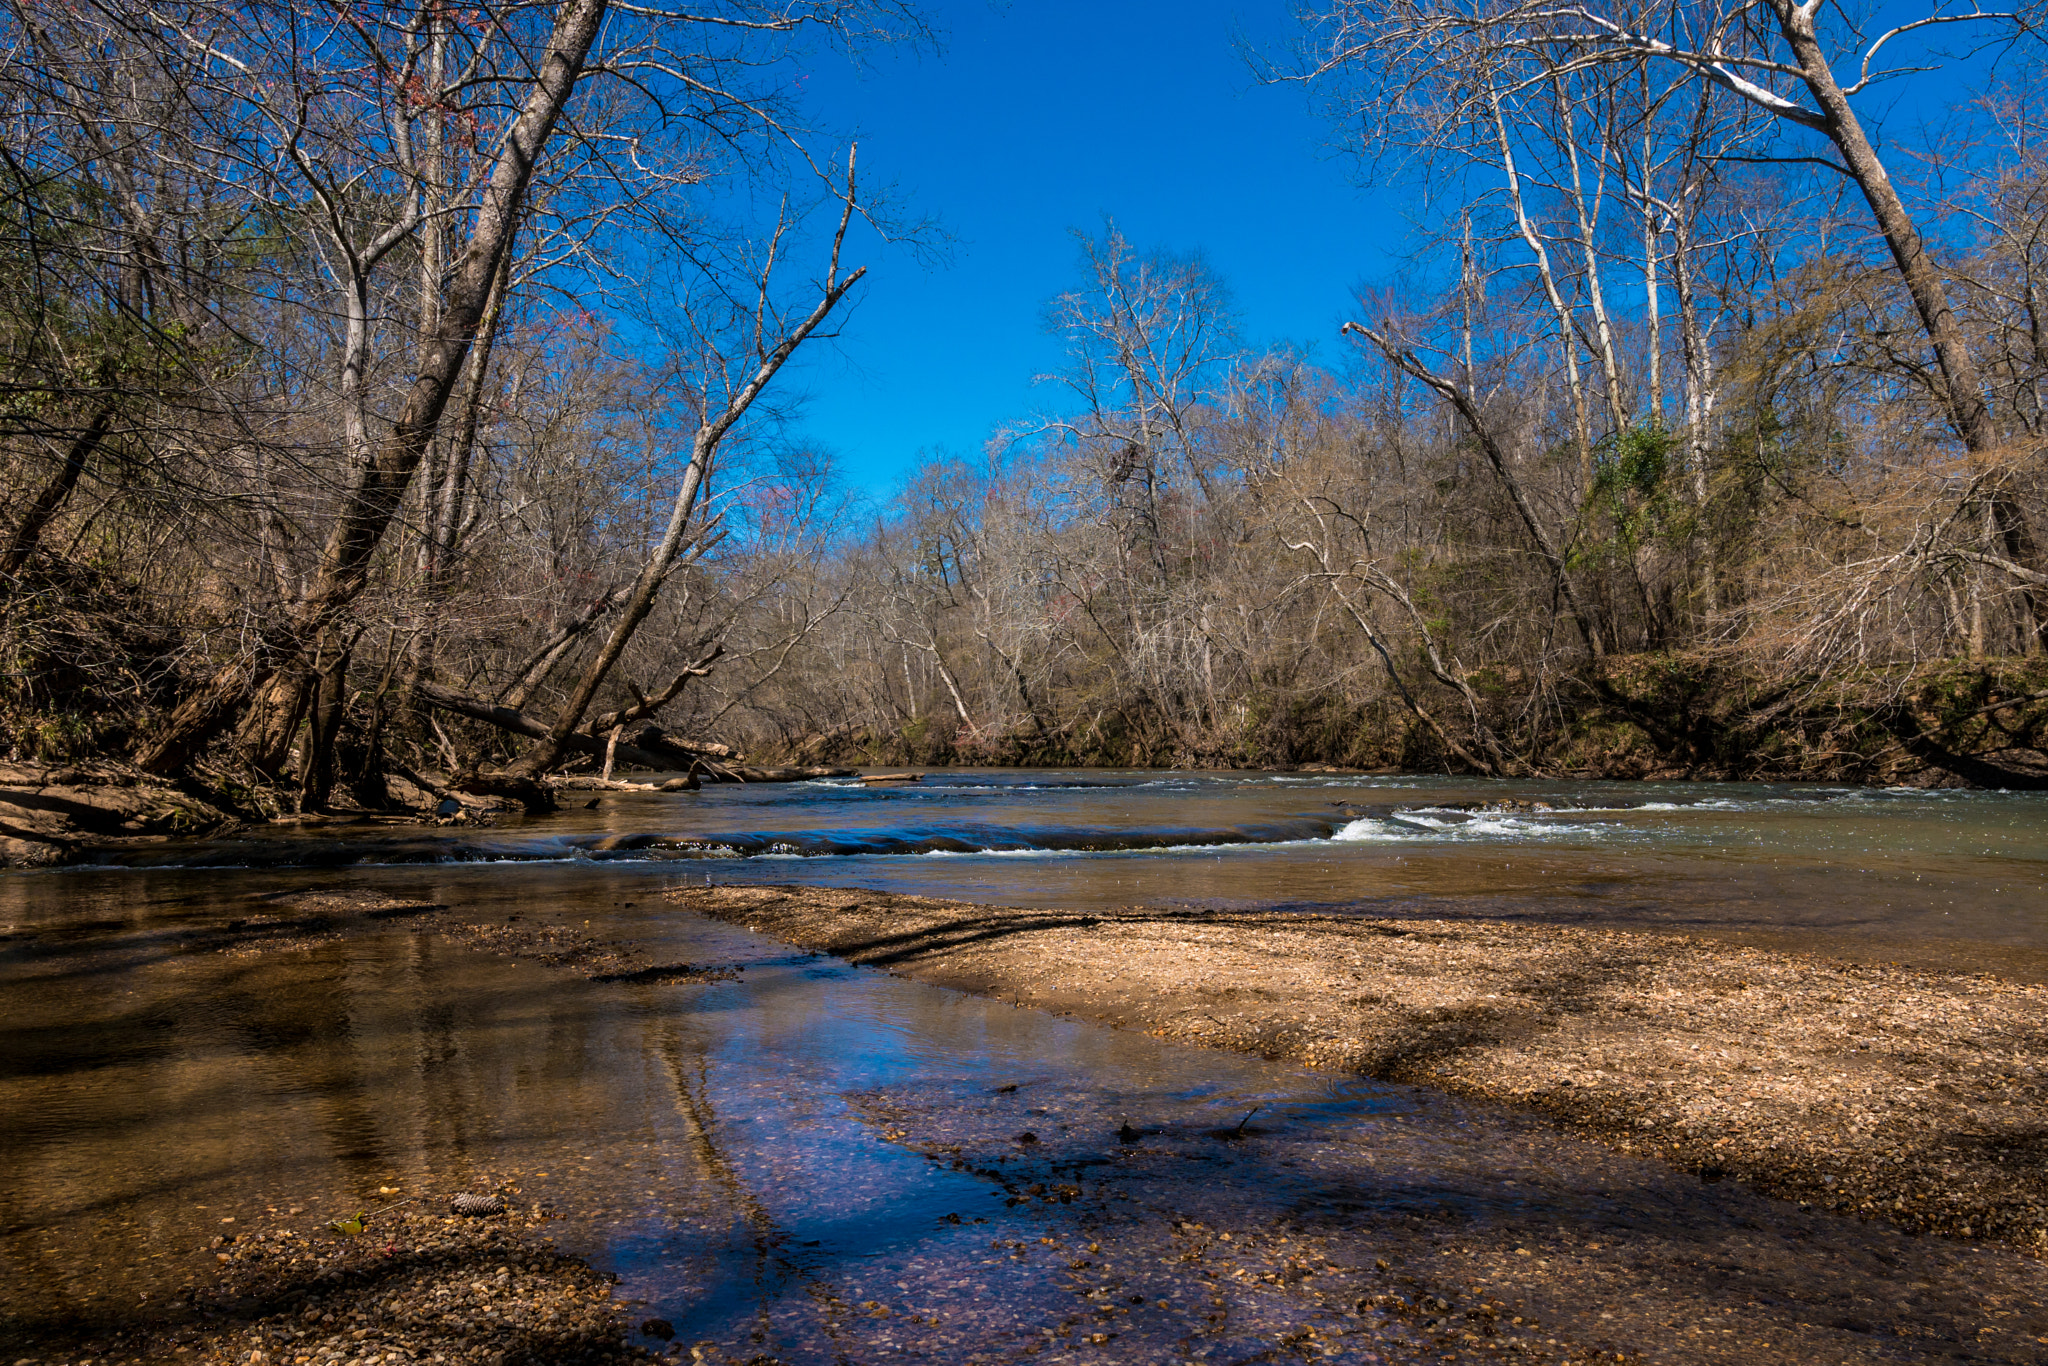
x=1038 y=117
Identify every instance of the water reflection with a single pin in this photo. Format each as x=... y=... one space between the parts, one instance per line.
x=762 y=1156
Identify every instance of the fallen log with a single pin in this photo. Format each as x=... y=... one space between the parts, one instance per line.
x=649 y=736
x=581 y=783
x=781 y=773
x=644 y=746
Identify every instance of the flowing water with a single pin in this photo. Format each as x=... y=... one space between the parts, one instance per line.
x=748 y=1154
x=1939 y=879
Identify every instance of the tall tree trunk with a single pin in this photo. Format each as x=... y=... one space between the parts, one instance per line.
x=1587 y=211
x=317 y=768
x=380 y=481
x=1962 y=387
x=272 y=720
x=1698 y=358
x=1567 y=341
x=1653 y=313
x=1963 y=391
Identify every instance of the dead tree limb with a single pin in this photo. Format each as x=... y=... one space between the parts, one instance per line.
x=21 y=547
x=711 y=432
x=1408 y=363
x=542 y=662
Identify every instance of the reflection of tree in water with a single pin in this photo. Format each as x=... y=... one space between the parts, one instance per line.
x=688 y=1069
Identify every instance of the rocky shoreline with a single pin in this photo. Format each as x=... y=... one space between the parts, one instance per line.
x=1138 y=1238
x=1880 y=1092
x=404 y=1283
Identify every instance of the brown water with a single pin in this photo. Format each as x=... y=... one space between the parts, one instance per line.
x=744 y=1153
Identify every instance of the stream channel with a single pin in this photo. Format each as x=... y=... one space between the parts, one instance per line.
x=809 y=1162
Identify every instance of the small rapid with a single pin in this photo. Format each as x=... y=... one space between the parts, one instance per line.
x=1935 y=877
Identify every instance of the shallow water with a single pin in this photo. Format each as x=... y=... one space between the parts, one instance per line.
x=746 y=1154
x=1941 y=879
x=166 y=1075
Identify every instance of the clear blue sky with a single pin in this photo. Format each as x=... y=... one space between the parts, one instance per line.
x=1045 y=115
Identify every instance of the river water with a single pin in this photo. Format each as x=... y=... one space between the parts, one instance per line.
x=748 y=1154
x=1939 y=879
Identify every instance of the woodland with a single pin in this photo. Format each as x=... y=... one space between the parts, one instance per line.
x=394 y=407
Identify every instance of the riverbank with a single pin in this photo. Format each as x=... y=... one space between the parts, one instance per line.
x=54 y=814
x=1881 y=1092
x=1667 y=717
x=792 y=1159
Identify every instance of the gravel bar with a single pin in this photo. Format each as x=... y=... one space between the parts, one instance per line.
x=1882 y=1092
x=410 y=1284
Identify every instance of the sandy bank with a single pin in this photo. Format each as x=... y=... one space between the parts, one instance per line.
x=1882 y=1092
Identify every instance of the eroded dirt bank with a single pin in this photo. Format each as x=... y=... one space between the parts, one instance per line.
x=1888 y=1093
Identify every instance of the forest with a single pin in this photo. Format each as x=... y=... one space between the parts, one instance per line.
x=394 y=404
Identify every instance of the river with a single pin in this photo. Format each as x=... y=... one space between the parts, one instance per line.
x=725 y=1146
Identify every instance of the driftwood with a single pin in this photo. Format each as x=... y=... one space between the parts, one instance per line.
x=782 y=773
x=639 y=743
x=581 y=783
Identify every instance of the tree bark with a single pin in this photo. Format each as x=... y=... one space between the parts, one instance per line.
x=316 y=768
x=380 y=481
x=1964 y=396
x=1963 y=388
x=273 y=717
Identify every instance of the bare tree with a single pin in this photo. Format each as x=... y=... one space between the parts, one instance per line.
x=1780 y=56
x=725 y=398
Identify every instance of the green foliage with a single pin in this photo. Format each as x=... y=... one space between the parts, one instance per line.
x=1632 y=483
